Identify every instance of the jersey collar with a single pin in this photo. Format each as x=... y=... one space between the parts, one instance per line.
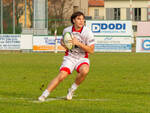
x=73 y=29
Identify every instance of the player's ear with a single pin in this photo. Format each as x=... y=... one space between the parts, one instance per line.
x=73 y=21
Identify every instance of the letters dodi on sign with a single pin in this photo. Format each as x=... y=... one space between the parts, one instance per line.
x=98 y=27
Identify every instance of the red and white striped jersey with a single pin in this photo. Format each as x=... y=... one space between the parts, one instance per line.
x=85 y=36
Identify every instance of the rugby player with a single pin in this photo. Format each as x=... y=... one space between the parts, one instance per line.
x=76 y=58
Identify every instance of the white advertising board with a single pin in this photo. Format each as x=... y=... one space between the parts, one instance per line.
x=10 y=41
x=26 y=42
x=143 y=44
x=117 y=28
x=113 y=44
x=46 y=43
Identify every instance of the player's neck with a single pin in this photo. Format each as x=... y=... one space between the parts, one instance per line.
x=76 y=28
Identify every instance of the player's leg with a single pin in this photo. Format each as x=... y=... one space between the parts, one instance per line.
x=53 y=84
x=65 y=69
x=82 y=69
x=61 y=76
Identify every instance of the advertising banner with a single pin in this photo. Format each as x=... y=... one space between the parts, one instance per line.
x=47 y=43
x=143 y=44
x=10 y=41
x=113 y=44
x=117 y=28
x=112 y=36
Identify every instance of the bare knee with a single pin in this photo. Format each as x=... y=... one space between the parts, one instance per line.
x=84 y=70
x=62 y=76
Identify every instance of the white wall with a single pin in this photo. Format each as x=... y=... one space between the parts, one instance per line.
x=26 y=42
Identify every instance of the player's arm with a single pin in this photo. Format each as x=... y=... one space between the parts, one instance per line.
x=62 y=43
x=89 y=49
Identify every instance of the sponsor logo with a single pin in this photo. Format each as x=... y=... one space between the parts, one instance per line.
x=146 y=44
x=49 y=41
x=99 y=27
x=113 y=46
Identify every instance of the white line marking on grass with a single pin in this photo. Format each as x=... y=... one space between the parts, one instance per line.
x=50 y=99
x=33 y=100
x=15 y=98
x=96 y=99
x=64 y=98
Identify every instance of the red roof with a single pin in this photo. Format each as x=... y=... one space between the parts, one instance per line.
x=96 y=3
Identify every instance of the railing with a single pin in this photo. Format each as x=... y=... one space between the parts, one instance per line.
x=99 y=17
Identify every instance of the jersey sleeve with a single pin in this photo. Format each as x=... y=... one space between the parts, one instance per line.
x=90 y=38
x=64 y=31
x=68 y=29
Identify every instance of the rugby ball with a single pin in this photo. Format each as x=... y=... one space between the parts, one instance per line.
x=67 y=40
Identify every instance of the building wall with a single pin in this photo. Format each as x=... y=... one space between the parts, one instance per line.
x=84 y=6
x=101 y=12
x=124 y=6
x=143 y=4
x=123 y=13
x=81 y=5
x=125 y=3
x=76 y=3
x=144 y=14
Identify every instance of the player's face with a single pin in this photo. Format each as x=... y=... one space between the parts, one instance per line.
x=79 y=22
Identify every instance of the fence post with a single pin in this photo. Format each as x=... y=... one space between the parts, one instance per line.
x=1 y=16
x=56 y=45
x=13 y=16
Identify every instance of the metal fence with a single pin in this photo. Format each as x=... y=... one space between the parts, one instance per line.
x=31 y=16
x=11 y=12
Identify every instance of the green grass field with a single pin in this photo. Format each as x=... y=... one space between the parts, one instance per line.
x=117 y=83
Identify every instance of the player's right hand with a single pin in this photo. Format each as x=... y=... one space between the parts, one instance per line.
x=62 y=43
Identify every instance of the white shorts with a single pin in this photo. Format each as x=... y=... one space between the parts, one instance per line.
x=69 y=64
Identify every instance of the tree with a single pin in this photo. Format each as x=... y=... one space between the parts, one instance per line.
x=19 y=9
x=8 y=15
x=30 y=7
x=59 y=11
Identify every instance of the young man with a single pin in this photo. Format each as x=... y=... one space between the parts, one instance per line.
x=76 y=58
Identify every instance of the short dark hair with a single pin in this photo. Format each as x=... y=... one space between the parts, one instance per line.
x=74 y=15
